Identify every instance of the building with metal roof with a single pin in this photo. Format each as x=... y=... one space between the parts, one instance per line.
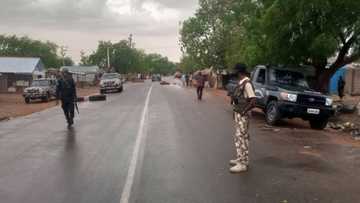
x=84 y=74
x=17 y=73
x=20 y=65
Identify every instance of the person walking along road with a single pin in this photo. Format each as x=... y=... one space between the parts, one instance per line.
x=66 y=92
x=200 y=80
x=244 y=102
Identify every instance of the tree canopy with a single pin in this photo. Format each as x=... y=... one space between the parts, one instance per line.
x=127 y=59
x=25 y=47
x=321 y=33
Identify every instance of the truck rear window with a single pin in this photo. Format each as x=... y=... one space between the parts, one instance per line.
x=289 y=78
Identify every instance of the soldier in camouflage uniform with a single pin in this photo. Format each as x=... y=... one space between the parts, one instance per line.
x=244 y=102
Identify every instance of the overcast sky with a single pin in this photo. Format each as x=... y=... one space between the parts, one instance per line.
x=80 y=24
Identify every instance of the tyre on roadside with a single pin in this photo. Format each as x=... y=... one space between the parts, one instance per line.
x=318 y=124
x=272 y=113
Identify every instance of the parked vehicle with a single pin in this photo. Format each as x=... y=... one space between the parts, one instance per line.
x=42 y=89
x=111 y=82
x=156 y=78
x=285 y=93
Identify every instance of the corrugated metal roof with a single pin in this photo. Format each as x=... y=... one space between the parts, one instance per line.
x=18 y=65
x=82 y=69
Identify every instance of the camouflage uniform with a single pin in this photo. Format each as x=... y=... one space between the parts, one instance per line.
x=242 y=137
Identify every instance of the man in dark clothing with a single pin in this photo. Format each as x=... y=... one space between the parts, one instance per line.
x=341 y=86
x=66 y=92
x=200 y=80
x=187 y=80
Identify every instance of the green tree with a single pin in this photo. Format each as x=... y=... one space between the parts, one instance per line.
x=275 y=32
x=25 y=47
x=126 y=59
x=204 y=37
x=188 y=64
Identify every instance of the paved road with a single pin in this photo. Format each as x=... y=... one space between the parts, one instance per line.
x=177 y=150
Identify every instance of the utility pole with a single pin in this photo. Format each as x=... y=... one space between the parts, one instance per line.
x=108 y=59
x=131 y=41
x=63 y=50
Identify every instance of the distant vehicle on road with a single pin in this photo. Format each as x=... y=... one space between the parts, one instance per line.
x=156 y=77
x=285 y=93
x=111 y=82
x=42 y=89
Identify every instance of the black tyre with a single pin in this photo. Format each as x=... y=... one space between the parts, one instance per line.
x=272 y=113
x=27 y=100
x=121 y=89
x=318 y=124
x=46 y=98
x=97 y=98
x=102 y=91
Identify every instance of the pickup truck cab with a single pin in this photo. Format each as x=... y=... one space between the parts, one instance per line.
x=42 y=89
x=285 y=93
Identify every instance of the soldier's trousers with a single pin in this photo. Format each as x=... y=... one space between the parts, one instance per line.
x=69 y=110
x=199 y=92
x=242 y=138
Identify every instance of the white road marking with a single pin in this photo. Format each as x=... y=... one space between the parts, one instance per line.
x=126 y=193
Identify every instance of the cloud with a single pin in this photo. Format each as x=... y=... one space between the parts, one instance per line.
x=153 y=20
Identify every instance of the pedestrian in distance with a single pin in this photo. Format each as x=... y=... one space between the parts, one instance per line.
x=341 y=87
x=66 y=92
x=200 y=82
x=243 y=104
x=187 y=79
x=191 y=79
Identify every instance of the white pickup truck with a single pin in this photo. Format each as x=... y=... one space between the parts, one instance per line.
x=111 y=82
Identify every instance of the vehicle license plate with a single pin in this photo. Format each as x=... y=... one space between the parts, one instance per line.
x=313 y=111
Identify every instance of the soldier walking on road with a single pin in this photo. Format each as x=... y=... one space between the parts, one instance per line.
x=66 y=92
x=245 y=101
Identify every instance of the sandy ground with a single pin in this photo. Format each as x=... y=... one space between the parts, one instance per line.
x=13 y=105
x=292 y=125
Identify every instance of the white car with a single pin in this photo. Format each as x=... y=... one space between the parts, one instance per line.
x=42 y=89
x=111 y=82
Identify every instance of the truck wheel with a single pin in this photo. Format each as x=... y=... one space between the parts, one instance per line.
x=46 y=98
x=272 y=113
x=318 y=124
x=27 y=100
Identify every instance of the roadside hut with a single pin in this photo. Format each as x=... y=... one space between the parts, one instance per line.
x=351 y=75
x=17 y=73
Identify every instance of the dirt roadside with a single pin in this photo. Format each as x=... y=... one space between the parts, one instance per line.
x=13 y=105
x=290 y=126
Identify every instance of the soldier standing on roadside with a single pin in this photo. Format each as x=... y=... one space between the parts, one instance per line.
x=245 y=101
x=66 y=92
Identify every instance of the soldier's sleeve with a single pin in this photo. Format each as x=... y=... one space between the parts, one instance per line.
x=58 y=89
x=74 y=89
x=249 y=90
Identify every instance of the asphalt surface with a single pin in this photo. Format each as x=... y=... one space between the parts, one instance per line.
x=181 y=149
